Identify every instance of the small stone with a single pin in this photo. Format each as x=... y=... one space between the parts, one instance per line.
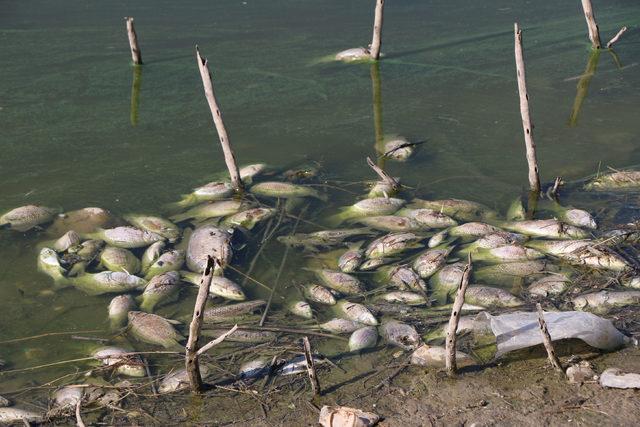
x=581 y=372
x=343 y=416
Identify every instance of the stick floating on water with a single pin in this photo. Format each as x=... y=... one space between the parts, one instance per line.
x=229 y=157
x=136 y=54
x=527 y=126
x=376 y=40
x=450 y=343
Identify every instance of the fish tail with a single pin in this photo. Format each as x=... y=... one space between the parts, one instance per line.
x=187 y=201
x=337 y=219
x=180 y=217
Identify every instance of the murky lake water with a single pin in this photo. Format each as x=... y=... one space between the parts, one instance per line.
x=68 y=137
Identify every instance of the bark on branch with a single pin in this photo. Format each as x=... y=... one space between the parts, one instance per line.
x=136 y=54
x=376 y=40
x=450 y=343
x=546 y=339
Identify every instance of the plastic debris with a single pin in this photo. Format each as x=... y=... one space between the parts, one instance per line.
x=615 y=378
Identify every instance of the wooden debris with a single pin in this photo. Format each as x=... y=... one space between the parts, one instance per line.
x=311 y=369
x=450 y=343
x=546 y=339
x=376 y=40
x=615 y=38
x=594 y=32
x=136 y=54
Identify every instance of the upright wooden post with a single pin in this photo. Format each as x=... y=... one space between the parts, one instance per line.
x=192 y=364
x=452 y=328
x=527 y=126
x=376 y=40
x=229 y=157
x=594 y=32
x=136 y=54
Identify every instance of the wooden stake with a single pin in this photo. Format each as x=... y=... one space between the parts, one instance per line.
x=191 y=350
x=311 y=369
x=594 y=32
x=229 y=157
x=376 y=40
x=583 y=86
x=450 y=344
x=615 y=38
x=136 y=54
x=546 y=339
x=527 y=126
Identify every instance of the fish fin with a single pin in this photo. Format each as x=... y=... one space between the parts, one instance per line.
x=180 y=217
x=339 y=218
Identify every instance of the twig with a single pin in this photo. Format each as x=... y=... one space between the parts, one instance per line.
x=376 y=40
x=546 y=339
x=594 y=32
x=48 y=334
x=79 y=421
x=191 y=349
x=311 y=369
x=136 y=54
x=229 y=157
x=292 y=331
x=553 y=191
x=615 y=38
x=383 y=175
x=527 y=126
x=148 y=372
x=217 y=341
x=282 y=263
x=450 y=344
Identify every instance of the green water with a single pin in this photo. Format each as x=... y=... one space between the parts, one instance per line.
x=448 y=78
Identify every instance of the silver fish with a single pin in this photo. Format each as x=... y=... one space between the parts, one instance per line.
x=205 y=241
x=27 y=217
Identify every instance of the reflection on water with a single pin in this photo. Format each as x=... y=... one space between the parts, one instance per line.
x=135 y=93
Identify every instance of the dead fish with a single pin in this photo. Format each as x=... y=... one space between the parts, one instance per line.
x=125 y=237
x=27 y=217
x=487 y=296
x=449 y=276
x=205 y=241
x=209 y=192
x=353 y=54
x=356 y=312
x=154 y=329
x=242 y=335
x=440 y=238
x=376 y=206
x=392 y=244
x=374 y=263
x=285 y=190
x=156 y=225
x=254 y=369
x=67 y=397
x=319 y=294
x=80 y=256
x=209 y=210
x=169 y=261
x=403 y=297
x=178 y=380
x=339 y=281
x=403 y=278
x=507 y=253
x=549 y=228
x=86 y=220
x=430 y=261
x=392 y=223
x=160 y=289
x=603 y=301
x=69 y=239
x=582 y=252
x=383 y=189
x=551 y=285
x=495 y=240
x=428 y=218
x=121 y=361
x=400 y=334
x=298 y=365
x=300 y=309
x=107 y=282
x=621 y=180
x=220 y=286
x=463 y=210
x=350 y=260
x=435 y=356
x=118 y=309
x=49 y=264
x=248 y=172
x=119 y=259
x=575 y=217
x=473 y=229
x=363 y=338
x=225 y=312
x=397 y=148
x=340 y=326
x=324 y=238
x=249 y=218
x=511 y=270
x=150 y=255
x=11 y=415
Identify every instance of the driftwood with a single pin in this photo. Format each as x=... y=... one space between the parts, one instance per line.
x=229 y=157
x=136 y=54
x=615 y=38
x=376 y=40
x=527 y=126
x=546 y=339
x=594 y=32
x=583 y=86
x=450 y=343
x=191 y=350
x=311 y=369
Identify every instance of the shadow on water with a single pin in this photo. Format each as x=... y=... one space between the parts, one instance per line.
x=135 y=93
x=376 y=88
x=583 y=86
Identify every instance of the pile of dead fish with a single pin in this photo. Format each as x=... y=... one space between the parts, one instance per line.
x=382 y=271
